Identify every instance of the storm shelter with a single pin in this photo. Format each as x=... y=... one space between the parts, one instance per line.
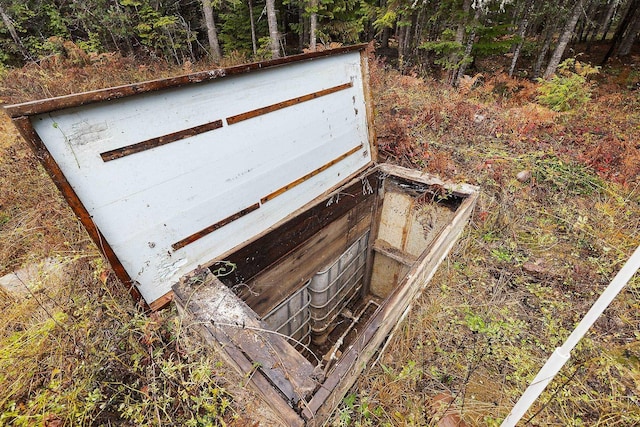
x=251 y=197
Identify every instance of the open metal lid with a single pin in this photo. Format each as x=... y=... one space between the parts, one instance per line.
x=170 y=174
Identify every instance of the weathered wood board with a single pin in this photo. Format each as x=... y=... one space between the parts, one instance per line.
x=233 y=322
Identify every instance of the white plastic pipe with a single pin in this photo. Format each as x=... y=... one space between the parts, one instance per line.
x=561 y=354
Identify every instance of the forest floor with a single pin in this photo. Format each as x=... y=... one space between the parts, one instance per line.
x=540 y=248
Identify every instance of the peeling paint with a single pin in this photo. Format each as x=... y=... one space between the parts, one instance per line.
x=167 y=270
x=220 y=72
x=84 y=132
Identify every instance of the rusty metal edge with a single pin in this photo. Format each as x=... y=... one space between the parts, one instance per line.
x=108 y=94
x=284 y=104
x=368 y=102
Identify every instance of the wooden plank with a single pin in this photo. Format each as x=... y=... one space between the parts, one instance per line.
x=396 y=209
x=425 y=223
x=159 y=141
x=411 y=175
x=373 y=233
x=210 y=229
x=234 y=357
x=288 y=103
x=278 y=242
x=213 y=304
x=345 y=372
x=42 y=153
x=386 y=274
x=394 y=253
x=392 y=229
x=86 y=98
x=310 y=175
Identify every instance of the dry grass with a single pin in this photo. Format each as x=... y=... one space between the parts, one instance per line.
x=534 y=258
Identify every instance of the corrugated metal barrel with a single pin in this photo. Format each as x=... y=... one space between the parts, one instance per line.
x=291 y=317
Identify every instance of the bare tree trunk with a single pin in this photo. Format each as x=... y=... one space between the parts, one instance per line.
x=254 y=43
x=522 y=31
x=625 y=19
x=603 y=17
x=459 y=38
x=14 y=34
x=212 y=33
x=408 y=40
x=630 y=35
x=564 y=40
x=467 y=58
x=466 y=7
x=274 y=35
x=313 y=25
x=400 y=35
x=516 y=53
x=606 y=22
x=384 y=42
x=584 y=24
x=190 y=37
x=543 y=52
x=302 y=33
x=173 y=46
x=417 y=39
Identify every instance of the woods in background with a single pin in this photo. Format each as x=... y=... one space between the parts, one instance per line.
x=449 y=35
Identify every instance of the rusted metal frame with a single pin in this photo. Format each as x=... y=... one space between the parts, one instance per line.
x=241 y=363
x=344 y=374
x=76 y=100
x=160 y=303
x=210 y=229
x=310 y=175
x=288 y=103
x=278 y=242
x=159 y=141
x=368 y=102
x=46 y=159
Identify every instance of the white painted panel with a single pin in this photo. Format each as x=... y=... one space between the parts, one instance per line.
x=145 y=202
